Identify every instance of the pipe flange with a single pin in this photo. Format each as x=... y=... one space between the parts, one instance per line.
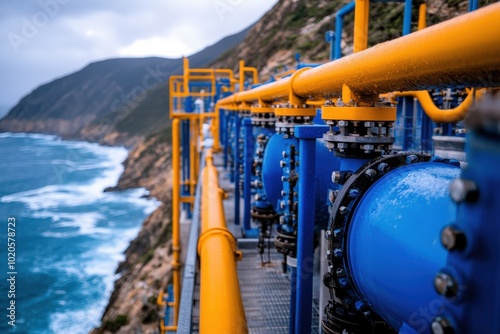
x=359 y=138
x=265 y=120
x=286 y=124
x=244 y=112
x=343 y=208
x=285 y=244
x=263 y=211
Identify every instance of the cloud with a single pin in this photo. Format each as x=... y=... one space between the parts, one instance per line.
x=44 y=39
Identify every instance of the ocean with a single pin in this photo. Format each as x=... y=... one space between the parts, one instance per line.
x=61 y=236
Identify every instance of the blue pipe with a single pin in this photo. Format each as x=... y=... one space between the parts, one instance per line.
x=248 y=153
x=473 y=4
x=186 y=146
x=394 y=242
x=228 y=125
x=339 y=26
x=407 y=18
x=236 y=153
x=271 y=170
x=305 y=235
x=330 y=38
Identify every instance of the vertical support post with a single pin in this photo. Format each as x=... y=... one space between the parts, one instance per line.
x=216 y=129
x=305 y=235
x=192 y=156
x=407 y=18
x=427 y=130
x=339 y=26
x=185 y=63
x=176 y=245
x=186 y=164
x=473 y=5
x=227 y=127
x=242 y=75
x=248 y=154
x=236 y=157
x=422 y=16
x=361 y=15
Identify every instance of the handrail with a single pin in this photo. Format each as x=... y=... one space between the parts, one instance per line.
x=221 y=307
x=421 y=60
x=189 y=278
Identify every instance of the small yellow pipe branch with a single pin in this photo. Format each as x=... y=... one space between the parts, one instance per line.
x=443 y=115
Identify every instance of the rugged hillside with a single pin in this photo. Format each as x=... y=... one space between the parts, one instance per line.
x=65 y=105
x=114 y=101
x=299 y=26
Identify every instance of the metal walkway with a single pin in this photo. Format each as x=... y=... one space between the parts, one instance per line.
x=265 y=290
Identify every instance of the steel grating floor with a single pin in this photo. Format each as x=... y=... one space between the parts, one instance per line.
x=265 y=291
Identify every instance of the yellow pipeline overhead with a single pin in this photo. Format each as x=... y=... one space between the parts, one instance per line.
x=221 y=307
x=462 y=51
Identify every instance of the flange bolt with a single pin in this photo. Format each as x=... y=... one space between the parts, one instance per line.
x=453 y=239
x=463 y=190
x=445 y=285
x=442 y=325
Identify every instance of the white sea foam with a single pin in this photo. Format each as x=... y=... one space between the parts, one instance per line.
x=72 y=194
x=84 y=223
x=26 y=135
x=100 y=262
x=75 y=322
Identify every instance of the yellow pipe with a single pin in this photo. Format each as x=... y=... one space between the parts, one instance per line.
x=361 y=18
x=284 y=74
x=244 y=69
x=221 y=307
x=193 y=135
x=255 y=74
x=176 y=237
x=186 y=74
x=422 y=16
x=242 y=75
x=171 y=89
x=443 y=115
x=215 y=129
x=429 y=58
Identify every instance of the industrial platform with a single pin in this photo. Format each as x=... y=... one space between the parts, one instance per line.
x=265 y=289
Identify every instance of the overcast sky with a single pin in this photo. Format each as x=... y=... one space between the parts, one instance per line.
x=44 y=39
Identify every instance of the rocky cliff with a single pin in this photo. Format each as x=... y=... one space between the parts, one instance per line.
x=146 y=270
x=298 y=26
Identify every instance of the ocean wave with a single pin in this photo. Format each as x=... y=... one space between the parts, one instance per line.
x=101 y=262
x=78 y=321
x=26 y=135
x=85 y=223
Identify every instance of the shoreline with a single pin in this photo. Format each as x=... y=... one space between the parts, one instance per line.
x=145 y=269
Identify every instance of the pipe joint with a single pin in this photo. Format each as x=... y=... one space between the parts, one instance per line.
x=218 y=232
